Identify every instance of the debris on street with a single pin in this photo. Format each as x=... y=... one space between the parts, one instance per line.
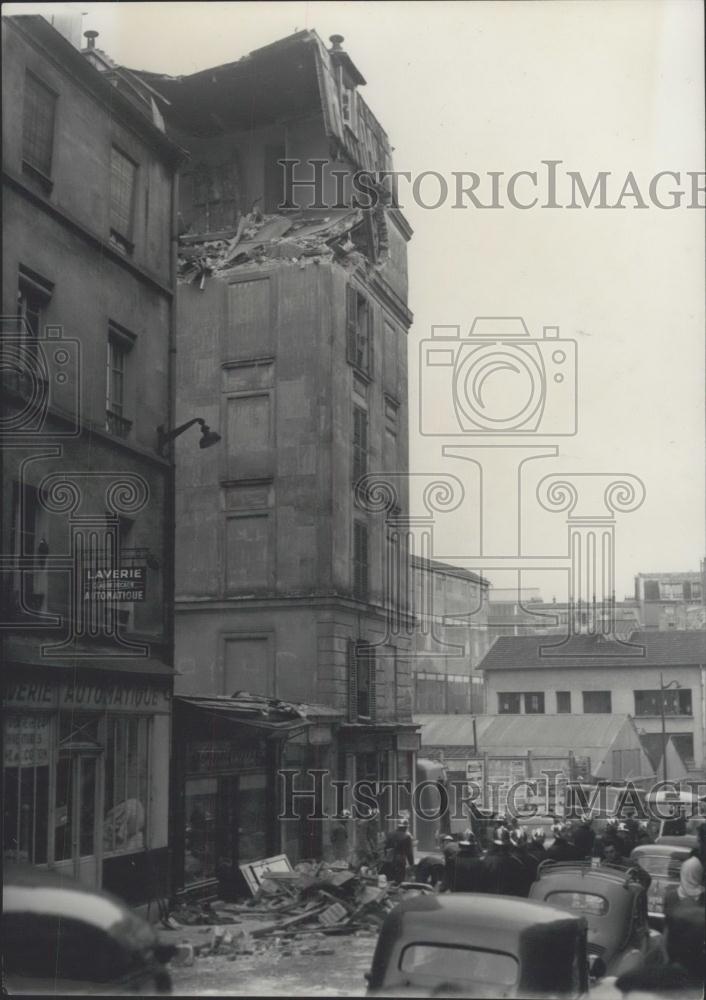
x=294 y=912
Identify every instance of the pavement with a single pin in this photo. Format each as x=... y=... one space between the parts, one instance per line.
x=308 y=964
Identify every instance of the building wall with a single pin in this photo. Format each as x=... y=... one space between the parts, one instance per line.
x=110 y=505
x=621 y=682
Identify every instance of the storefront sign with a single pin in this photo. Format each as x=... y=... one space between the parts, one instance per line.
x=221 y=755
x=115 y=585
x=26 y=742
x=107 y=696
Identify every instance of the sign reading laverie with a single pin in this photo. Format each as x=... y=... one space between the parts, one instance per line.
x=115 y=584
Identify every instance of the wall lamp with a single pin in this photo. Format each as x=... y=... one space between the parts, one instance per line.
x=208 y=437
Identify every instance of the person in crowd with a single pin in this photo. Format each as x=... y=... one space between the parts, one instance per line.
x=691 y=873
x=504 y=873
x=562 y=849
x=627 y=838
x=339 y=836
x=536 y=849
x=466 y=872
x=398 y=852
x=520 y=851
x=584 y=836
x=611 y=856
x=609 y=836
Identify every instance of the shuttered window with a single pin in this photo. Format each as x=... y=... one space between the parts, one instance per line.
x=359 y=330
x=360 y=443
x=361 y=682
x=123 y=173
x=38 y=125
x=360 y=560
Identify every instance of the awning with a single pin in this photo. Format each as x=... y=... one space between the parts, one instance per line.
x=271 y=725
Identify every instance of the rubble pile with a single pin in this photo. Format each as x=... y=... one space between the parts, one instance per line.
x=294 y=911
x=344 y=234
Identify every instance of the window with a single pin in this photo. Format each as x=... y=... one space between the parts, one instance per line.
x=651 y=590
x=431 y=964
x=38 y=126
x=360 y=443
x=534 y=703
x=120 y=344
x=595 y=702
x=563 y=701
x=216 y=197
x=509 y=703
x=27 y=540
x=33 y=295
x=348 y=106
x=361 y=681
x=123 y=173
x=359 y=330
x=126 y=794
x=360 y=560
x=676 y=702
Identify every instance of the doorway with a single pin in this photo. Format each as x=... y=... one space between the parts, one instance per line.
x=76 y=844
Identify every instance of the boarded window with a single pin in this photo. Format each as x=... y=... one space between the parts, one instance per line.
x=38 y=125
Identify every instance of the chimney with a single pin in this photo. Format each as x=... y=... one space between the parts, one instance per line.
x=90 y=37
x=336 y=42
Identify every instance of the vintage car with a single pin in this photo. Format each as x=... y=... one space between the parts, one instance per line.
x=479 y=945
x=62 y=938
x=663 y=862
x=613 y=901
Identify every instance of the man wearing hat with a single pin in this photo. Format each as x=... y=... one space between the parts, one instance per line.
x=504 y=873
x=399 y=852
x=466 y=870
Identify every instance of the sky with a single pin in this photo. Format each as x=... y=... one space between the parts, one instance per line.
x=600 y=86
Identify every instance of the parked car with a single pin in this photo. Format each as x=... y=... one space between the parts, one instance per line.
x=663 y=862
x=475 y=944
x=614 y=904
x=60 y=937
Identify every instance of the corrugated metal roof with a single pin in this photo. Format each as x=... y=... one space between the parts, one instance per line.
x=515 y=733
x=645 y=649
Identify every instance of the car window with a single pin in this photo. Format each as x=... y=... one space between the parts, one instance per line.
x=580 y=902
x=54 y=947
x=665 y=867
x=430 y=964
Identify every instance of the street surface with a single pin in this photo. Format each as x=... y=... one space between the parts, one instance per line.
x=309 y=965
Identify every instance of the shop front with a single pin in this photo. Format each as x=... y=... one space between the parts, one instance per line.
x=227 y=752
x=85 y=768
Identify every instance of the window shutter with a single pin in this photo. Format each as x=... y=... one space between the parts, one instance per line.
x=352 y=683
x=351 y=322
x=372 y=705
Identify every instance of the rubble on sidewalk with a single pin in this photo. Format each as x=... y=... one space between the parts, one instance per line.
x=295 y=912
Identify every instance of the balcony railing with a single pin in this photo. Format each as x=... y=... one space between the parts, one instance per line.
x=116 y=424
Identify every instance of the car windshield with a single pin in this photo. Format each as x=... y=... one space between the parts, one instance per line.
x=433 y=964
x=665 y=867
x=580 y=902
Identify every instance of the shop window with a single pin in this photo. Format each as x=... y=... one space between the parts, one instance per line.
x=360 y=443
x=509 y=703
x=38 y=126
x=676 y=702
x=126 y=791
x=534 y=703
x=563 y=702
x=123 y=180
x=597 y=702
x=359 y=330
x=26 y=787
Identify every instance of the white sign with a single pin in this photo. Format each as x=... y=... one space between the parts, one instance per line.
x=26 y=741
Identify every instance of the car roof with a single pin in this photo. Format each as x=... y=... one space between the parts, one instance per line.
x=494 y=913
x=666 y=847
x=578 y=876
x=29 y=890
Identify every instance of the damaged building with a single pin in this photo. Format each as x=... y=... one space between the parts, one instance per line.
x=292 y=342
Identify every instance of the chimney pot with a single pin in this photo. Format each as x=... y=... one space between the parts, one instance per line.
x=90 y=37
x=336 y=42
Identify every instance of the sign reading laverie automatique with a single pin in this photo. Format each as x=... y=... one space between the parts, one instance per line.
x=123 y=585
